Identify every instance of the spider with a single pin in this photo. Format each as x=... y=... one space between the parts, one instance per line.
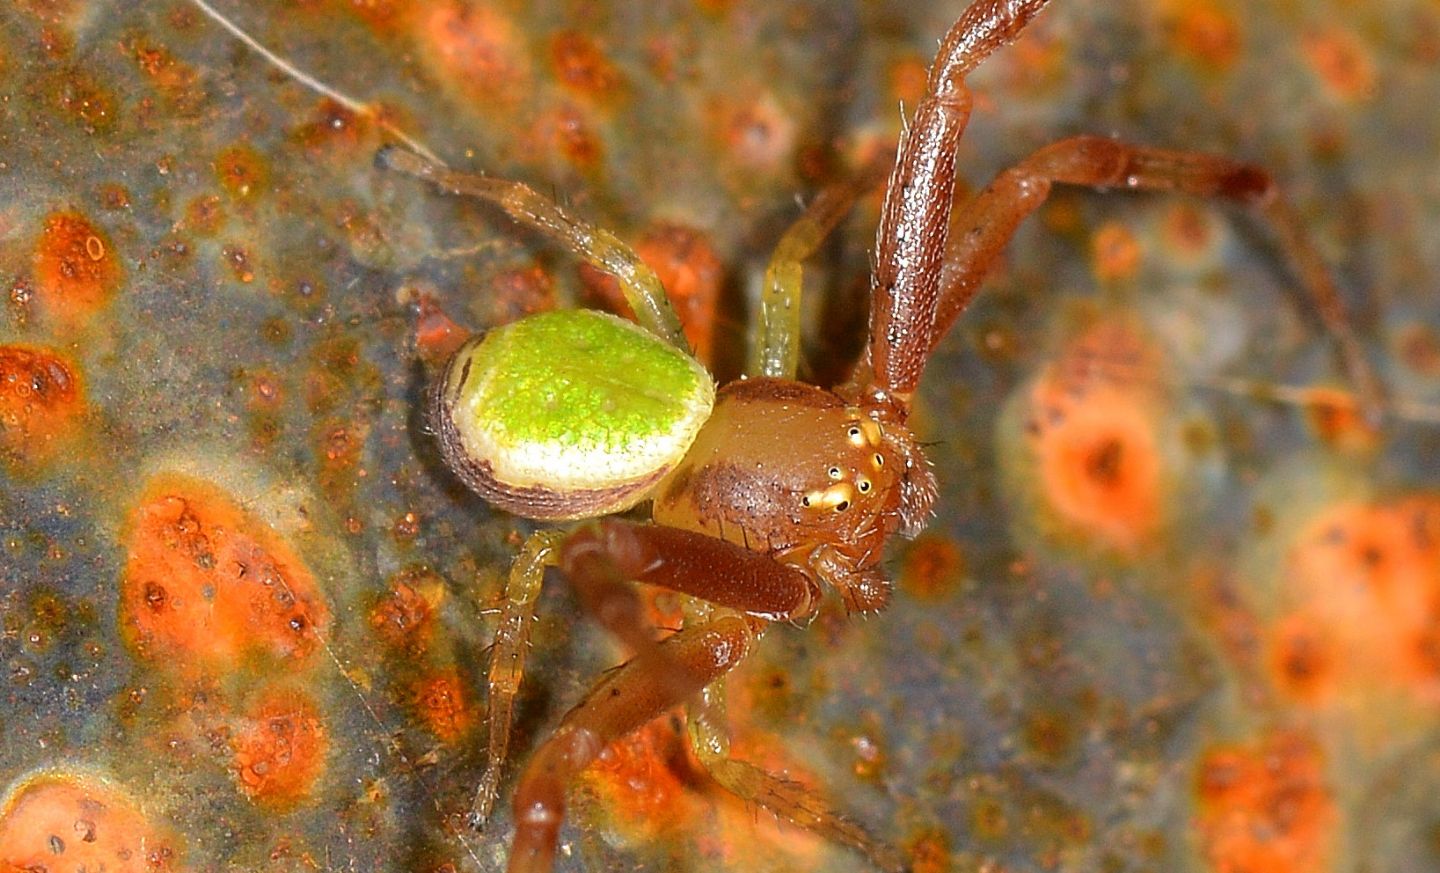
x=769 y=491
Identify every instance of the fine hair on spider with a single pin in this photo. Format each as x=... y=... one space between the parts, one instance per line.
x=767 y=491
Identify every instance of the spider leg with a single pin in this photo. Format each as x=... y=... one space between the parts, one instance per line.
x=910 y=241
x=776 y=351
x=710 y=739
x=986 y=222
x=600 y=560
x=649 y=684
x=507 y=660
x=597 y=246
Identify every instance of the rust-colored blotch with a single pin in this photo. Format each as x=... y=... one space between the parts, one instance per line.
x=1093 y=433
x=404 y=617
x=1342 y=62
x=441 y=702
x=279 y=749
x=40 y=402
x=932 y=567
x=206 y=585
x=1099 y=465
x=476 y=50
x=1266 y=808
x=73 y=824
x=638 y=784
x=1364 y=583
x=757 y=134
x=581 y=65
x=1336 y=417
x=688 y=266
x=1205 y=32
x=1115 y=252
x=241 y=171
x=77 y=271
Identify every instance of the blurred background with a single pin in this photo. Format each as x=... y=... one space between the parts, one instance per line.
x=1178 y=609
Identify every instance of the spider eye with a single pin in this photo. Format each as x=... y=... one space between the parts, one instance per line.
x=834 y=472
x=842 y=506
x=864 y=486
x=879 y=460
x=805 y=501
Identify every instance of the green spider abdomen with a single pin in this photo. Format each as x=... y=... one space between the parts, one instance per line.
x=568 y=414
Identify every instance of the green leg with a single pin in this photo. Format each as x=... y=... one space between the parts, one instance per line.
x=507 y=659
x=776 y=350
x=597 y=246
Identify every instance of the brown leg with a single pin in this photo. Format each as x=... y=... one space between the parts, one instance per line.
x=601 y=560
x=910 y=241
x=988 y=220
x=654 y=681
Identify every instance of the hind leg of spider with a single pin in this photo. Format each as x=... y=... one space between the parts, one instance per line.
x=597 y=246
x=600 y=561
x=646 y=686
x=985 y=224
x=791 y=801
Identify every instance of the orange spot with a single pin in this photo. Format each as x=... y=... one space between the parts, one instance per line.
x=40 y=403
x=436 y=335
x=1092 y=430
x=1034 y=64
x=1205 y=32
x=279 y=748
x=566 y=131
x=1335 y=417
x=638 y=785
x=241 y=171
x=909 y=78
x=341 y=445
x=204 y=216
x=85 y=101
x=933 y=567
x=1265 y=808
x=757 y=134
x=1364 y=583
x=77 y=270
x=405 y=615
x=689 y=269
x=930 y=852
x=379 y=15
x=70 y=824
x=477 y=51
x=1114 y=252
x=514 y=294
x=1418 y=345
x=1101 y=470
x=333 y=126
x=441 y=703
x=1189 y=235
x=206 y=585
x=1305 y=660
x=1342 y=62
x=175 y=80
x=581 y=66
